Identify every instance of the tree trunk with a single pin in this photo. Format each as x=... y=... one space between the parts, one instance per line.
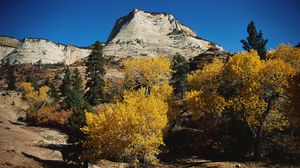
x=257 y=146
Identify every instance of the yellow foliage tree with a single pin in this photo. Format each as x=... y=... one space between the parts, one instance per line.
x=247 y=86
x=133 y=127
x=291 y=55
x=129 y=130
x=146 y=71
x=35 y=98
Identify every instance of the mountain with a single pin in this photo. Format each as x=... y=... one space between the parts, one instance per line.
x=31 y=50
x=7 y=45
x=143 y=33
x=139 y=33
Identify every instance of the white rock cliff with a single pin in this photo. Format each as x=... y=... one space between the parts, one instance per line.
x=139 y=33
x=143 y=33
x=32 y=50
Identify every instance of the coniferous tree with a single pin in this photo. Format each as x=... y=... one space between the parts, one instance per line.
x=11 y=78
x=255 y=41
x=77 y=81
x=181 y=67
x=53 y=91
x=66 y=82
x=75 y=100
x=94 y=73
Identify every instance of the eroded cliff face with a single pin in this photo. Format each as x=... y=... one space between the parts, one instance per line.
x=139 y=33
x=143 y=33
x=7 y=45
x=31 y=50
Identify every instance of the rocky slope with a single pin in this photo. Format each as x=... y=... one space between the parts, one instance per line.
x=139 y=33
x=7 y=45
x=31 y=50
x=143 y=33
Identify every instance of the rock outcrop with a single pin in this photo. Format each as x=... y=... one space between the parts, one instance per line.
x=148 y=34
x=207 y=57
x=7 y=45
x=139 y=33
x=30 y=50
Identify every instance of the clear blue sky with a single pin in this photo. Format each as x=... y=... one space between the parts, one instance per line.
x=82 y=22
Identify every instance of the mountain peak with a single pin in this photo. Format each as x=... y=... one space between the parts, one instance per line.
x=153 y=33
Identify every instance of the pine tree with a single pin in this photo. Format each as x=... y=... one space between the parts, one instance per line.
x=77 y=81
x=181 y=67
x=53 y=91
x=255 y=41
x=66 y=82
x=94 y=73
x=75 y=100
x=11 y=78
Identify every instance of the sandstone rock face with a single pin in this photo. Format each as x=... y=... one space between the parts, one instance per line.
x=139 y=33
x=32 y=50
x=4 y=51
x=148 y=34
x=207 y=57
x=7 y=45
x=8 y=41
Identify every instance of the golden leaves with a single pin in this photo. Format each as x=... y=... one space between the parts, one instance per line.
x=131 y=128
x=147 y=71
x=245 y=84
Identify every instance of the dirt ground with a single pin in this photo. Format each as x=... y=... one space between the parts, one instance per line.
x=20 y=144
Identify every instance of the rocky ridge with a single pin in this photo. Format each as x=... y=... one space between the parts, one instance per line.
x=143 y=33
x=139 y=33
x=31 y=50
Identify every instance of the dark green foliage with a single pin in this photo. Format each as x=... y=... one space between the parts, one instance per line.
x=53 y=91
x=77 y=81
x=34 y=84
x=74 y=100
x=94 y=73
x=3 y=69
x=65 y=87
x=255 y=41
x=10 y=77
x=181 y=67
x=77 y=103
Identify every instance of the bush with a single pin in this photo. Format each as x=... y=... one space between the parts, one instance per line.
x=53 y=116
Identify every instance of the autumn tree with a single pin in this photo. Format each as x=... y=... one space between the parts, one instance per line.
x=255 y=41
x=180 y=67
x=146 y=71
x=247 y=87
x=36 y=99
x=130 y=130
x=33 y=82
x=291 y=55
x=94 y=73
